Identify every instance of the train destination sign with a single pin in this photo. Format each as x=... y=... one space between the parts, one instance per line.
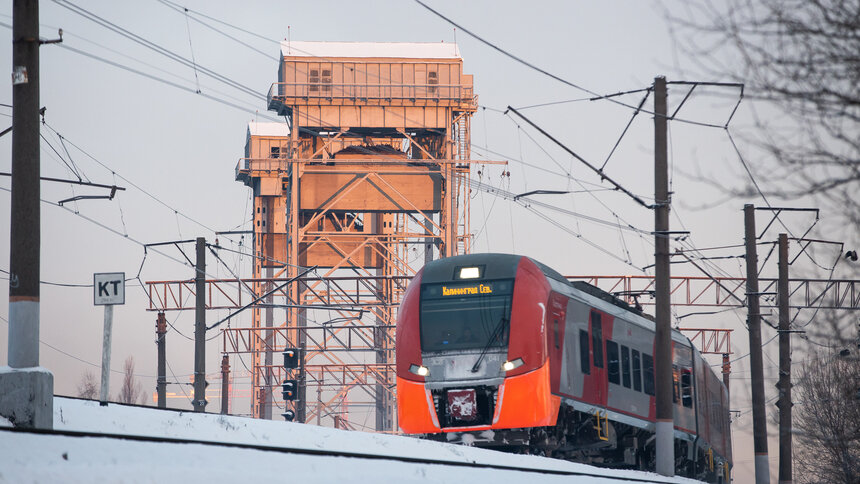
x=467 y=290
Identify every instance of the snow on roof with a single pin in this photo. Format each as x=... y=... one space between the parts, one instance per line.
x=268 y=129
x=403 y=50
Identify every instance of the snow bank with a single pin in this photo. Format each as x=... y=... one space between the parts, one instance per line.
x=57 y=458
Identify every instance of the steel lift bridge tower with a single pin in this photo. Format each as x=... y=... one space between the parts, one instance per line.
x=367 y=180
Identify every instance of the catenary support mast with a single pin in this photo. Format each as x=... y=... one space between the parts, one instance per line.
x=663 y=352
x=784 y=384
x=31 y=405
x=200 y=329
x=161 y=344
x=762 y=471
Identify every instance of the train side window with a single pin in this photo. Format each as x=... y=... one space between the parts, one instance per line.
x=597 y=339
x=648 y=373
x=687 y=388
x=637 y=371
x=584 y=362
x=612 y=362
x=625 y=366
x=555 y=332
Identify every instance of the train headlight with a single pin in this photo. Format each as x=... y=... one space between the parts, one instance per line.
x=513 y=364
x=419 y=370
x=470 y=272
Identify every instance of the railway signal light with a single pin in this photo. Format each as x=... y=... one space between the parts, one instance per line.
x=289 y=415
x=291 y=358
x=289 y=389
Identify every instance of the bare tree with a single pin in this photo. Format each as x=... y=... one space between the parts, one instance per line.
x=88 y=387
x=827 y=419
x=131 y=390
x=801 y=59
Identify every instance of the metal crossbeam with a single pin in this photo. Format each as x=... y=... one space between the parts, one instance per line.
x=728 y=291
x=686 y=291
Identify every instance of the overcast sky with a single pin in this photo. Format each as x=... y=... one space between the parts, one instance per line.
x=175 y=151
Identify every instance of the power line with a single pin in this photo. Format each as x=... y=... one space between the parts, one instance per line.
x=180 y=9
x=146 y=74
x=155 y=47
x=227 y=24
x=579 y=236
x=610 y=98
x=599 y=171
x=165 y=81
x=578 y=182
x=109 y=229
x=138 y=187
x=122 y=372
x=529 y=201
x=62 y=284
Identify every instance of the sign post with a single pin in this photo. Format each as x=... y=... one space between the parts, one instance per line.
x=108 y=290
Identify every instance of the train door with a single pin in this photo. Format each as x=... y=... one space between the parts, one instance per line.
x=555 y=337
x=597 y=387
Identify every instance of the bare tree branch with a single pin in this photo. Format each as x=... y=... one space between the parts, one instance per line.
x=88 y=387
x=131 y=390
x=802 y=59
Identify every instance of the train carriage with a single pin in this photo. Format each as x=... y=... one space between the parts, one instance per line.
x=501 y=351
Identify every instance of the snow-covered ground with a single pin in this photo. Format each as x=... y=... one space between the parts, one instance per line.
x=32 y=457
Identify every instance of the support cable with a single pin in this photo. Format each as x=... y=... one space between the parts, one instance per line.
x=584 y=161
x=528 y=64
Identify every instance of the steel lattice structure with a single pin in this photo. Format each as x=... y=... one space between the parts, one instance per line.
x=367 y=180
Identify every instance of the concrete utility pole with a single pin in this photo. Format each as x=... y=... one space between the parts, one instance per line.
x=762 y=470
x=225 y=385
x=104 y=394
x=26 y=391
x=161 y=343
x=200 y=329
x=784 y=385
x=665 y=428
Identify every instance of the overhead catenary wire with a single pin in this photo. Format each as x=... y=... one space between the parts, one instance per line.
x=762 y=195
x=66 y=46
x=579 y=182
x=580 y=236
x=599 y=171
x=128 y=181
x=155 y=47
x=189 y=13
x=105 y=227
x=166 y=82
x=90 y=363
x=67 y=2
x=596 y=95
x=506 y=194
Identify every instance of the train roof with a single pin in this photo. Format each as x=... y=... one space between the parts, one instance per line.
x=504 y=266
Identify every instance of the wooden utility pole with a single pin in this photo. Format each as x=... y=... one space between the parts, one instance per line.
x=665 y=431
x=26 y=395
x=784 y=385
x=199 y=402
x=762 y=470
x=161 y=343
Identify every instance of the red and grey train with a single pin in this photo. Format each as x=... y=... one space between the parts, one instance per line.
x=501 y=351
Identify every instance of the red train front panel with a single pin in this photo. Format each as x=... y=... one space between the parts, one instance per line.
x=467 y=353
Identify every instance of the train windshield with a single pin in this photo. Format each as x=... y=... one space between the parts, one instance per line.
x=460 y=316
